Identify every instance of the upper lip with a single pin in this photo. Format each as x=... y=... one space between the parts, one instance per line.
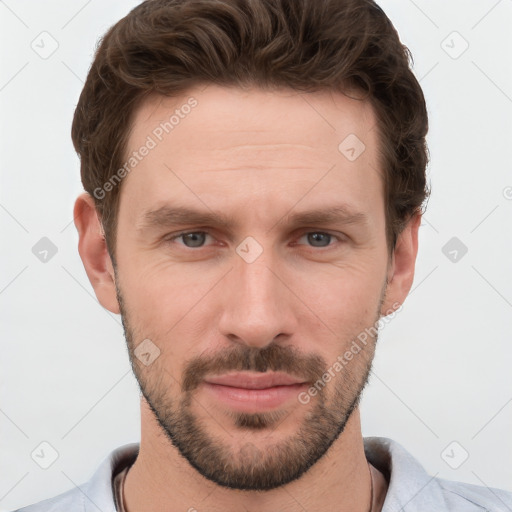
x=254 y=380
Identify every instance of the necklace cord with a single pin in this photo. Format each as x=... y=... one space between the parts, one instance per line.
x=371 y=492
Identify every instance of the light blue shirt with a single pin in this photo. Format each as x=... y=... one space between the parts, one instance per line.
x=411 y=488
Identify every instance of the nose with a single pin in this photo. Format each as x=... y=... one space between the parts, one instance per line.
x=257 y=305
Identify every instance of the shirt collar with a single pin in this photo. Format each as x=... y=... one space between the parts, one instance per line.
x=409 y=484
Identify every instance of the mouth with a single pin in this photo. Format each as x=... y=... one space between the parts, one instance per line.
x=252 y=392
x=254 y=380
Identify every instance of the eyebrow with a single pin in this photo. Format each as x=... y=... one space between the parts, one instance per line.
x=168 y=216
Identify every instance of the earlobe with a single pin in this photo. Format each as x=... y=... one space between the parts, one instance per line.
x=93 y=252
x=401 y=270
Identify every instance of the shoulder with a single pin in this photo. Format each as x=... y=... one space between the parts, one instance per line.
x=95 y=494
x=67 y=501
x=475 y=497
x=411 y=488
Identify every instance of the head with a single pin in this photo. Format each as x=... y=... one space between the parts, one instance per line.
x=254 y=176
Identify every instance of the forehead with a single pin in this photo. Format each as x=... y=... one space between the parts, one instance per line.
x=220 y=141
x=273 y=116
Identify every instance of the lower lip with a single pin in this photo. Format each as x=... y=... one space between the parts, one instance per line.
x=254 y=400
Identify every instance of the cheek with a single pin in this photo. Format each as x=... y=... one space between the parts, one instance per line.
x=169 y=304
x=341 y=303
x=154 y=283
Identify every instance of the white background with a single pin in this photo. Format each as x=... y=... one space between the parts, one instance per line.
x=442 y=370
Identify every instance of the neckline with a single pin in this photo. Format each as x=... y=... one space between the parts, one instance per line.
x=375 y=499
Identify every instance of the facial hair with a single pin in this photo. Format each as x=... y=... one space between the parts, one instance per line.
x=250 y=467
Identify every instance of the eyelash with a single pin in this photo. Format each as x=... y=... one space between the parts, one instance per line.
x=340 y=239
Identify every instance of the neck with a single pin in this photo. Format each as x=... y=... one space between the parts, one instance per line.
x=161 y=479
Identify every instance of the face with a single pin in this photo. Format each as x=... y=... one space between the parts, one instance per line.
x=250 y=241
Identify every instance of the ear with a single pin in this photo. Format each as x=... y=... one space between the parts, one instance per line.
x=401 y=268
x=93 y=251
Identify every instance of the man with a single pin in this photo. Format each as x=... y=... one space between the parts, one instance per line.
x=254 y=174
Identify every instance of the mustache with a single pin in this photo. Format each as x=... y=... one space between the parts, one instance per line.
x=274 y=357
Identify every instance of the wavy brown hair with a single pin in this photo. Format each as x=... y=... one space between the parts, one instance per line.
x=169 y=46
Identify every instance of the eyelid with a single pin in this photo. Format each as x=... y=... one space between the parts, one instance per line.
x=171 y=238
x=341 y=237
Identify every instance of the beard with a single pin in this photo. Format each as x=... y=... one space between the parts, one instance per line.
x=248 y=466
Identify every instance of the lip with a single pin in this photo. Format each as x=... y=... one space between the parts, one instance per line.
x=253 y=400
x=247 y=380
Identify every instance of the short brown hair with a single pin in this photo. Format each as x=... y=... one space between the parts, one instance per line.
x=169 y=46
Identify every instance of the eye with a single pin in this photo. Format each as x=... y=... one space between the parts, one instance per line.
x=318 y=238
x=191 y=239
x=196 y=239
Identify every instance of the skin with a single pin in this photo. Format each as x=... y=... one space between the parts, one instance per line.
x=255 y=156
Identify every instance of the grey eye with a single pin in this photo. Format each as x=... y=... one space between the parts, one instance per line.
x=318 y=239
x=193 y=239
